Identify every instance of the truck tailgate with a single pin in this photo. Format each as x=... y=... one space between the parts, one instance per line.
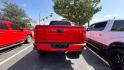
x=62 y=34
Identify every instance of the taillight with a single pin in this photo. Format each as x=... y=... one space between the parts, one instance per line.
x=84 y=35
x=35 y=34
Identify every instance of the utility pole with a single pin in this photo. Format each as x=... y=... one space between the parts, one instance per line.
x=39 y=18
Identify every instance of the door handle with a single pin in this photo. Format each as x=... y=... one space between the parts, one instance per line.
x=100 y=34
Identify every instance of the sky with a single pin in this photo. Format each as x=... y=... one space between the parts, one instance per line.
x=110 y=9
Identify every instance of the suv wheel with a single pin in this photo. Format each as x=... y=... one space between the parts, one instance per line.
x=73 y=55
x=117 y=59
x=29 y=39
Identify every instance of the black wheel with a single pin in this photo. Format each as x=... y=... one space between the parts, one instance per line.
x=41 y=53
x=117 y=59
x=73 y=55
x=28 y=40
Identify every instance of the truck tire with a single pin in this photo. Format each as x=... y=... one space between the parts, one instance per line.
x=117 y=59
x=41 y=53
x=73 y=55
x=28 y=40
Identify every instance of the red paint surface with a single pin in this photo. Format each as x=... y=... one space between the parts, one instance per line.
x=48 y=34
x=10 y=36
x=47 y=47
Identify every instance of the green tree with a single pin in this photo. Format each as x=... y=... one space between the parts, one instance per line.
x=12 y=12
x=77 y=11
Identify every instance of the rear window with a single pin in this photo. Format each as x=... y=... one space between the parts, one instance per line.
x=60 y=23
x=3 y=26
x=15 y=26
x=118 y=25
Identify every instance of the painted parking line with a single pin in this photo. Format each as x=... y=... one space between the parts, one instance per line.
x=6 y=60
x=99 y=56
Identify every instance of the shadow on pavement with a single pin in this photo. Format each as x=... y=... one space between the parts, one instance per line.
x=94 y=61
x=10 y=48
x=33 y=61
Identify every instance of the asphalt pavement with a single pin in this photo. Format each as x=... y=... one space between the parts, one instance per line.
x=24 y=57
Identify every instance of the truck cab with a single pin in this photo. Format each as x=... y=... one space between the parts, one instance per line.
x=10 y=33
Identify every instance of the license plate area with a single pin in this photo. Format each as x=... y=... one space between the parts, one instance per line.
x=60 y=45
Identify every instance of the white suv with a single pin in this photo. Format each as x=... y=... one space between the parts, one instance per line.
x=108 y=38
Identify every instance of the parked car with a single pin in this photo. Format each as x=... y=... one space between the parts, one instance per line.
x=60 y=36
x=11 y=33
x=107 y=37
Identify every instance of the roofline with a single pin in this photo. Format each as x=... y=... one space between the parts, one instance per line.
x=108 y=20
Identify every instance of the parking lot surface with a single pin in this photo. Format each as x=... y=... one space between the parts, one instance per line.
x=24 y=57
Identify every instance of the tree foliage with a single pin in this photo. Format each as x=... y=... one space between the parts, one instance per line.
x=77 y=11
x=12 y=12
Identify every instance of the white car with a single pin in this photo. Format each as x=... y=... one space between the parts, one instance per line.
x=108 y=38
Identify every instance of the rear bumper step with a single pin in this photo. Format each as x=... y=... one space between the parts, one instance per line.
x=62 y=48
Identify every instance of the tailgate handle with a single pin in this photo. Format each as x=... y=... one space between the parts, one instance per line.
x=60 y=31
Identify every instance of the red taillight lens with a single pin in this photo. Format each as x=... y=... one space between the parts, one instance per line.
x=34 y=34
x=84 y=35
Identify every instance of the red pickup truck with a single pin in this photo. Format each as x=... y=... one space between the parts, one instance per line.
x=60 y=36
x=11 y=33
